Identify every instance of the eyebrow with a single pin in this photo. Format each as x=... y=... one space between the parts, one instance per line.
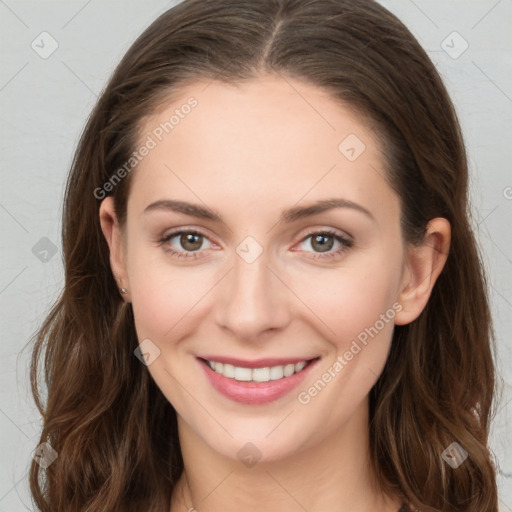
x=287 y=216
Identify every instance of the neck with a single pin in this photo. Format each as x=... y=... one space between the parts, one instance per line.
x=334 y=474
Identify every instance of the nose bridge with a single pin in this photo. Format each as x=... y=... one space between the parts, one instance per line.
x=254 y=299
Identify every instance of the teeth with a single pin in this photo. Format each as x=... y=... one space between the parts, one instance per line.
x=276 y=372
x=300 y=366
x=289 y=369
x=260 y=374
x=228 y=371
x=242 y=373
x=256 y=374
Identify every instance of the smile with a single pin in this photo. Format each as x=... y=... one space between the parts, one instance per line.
x=256 y=382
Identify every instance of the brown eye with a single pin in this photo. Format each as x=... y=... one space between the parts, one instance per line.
x=185 y=244
x=191 y=241
x=322 y=243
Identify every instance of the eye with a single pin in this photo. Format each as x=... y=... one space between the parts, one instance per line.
x=324 y=241
x=190 y=240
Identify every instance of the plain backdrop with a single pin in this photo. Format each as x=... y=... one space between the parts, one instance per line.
x=56 y=57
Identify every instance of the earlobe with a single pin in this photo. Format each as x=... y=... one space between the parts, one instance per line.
x=112 y=233
x=421 y=270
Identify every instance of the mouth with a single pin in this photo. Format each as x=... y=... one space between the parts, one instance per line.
x=249 y=382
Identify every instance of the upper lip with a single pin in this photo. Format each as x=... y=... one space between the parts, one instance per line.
x=257 y=363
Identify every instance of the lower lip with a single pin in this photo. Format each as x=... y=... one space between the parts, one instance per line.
x=255 y=393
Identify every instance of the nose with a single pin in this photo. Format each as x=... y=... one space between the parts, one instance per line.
x=254 y=299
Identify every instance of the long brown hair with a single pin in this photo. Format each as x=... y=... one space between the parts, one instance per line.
x=113 y=430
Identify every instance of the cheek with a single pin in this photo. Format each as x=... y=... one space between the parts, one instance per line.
x=353 y=301
x=356 y=310
x=165 y=297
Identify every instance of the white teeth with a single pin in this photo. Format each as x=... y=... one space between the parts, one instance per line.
x=289 y=369
x=243 y=373
x=228 y=371
x=261 y=374
x=299 y=366
x=256 y=374
x=276 y=372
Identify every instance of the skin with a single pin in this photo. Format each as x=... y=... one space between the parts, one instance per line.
x=249 y=152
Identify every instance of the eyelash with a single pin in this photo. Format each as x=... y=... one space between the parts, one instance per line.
x=345 y=243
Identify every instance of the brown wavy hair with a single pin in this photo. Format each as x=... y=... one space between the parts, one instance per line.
x=114 y=431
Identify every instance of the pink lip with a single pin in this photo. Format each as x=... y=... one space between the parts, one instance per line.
x=255 y=393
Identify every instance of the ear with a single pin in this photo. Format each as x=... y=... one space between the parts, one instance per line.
x=423 y=266
x=113 y=234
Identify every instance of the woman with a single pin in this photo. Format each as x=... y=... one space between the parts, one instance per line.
x=273 y=296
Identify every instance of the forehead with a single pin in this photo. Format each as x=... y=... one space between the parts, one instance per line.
x=267 y=142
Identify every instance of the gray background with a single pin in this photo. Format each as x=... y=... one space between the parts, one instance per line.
x=45 y=100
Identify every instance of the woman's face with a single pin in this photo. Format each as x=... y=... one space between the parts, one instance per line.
x=265 y=281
